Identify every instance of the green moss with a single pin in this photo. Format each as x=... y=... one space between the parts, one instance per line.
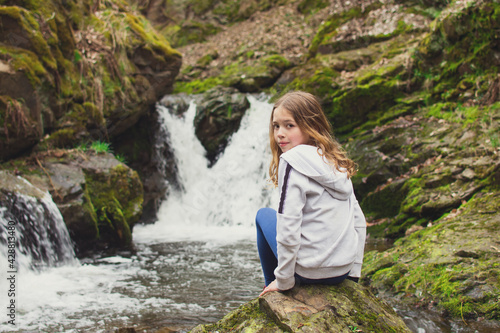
x=308 y=6
x=191 y=32
x=248 y=317
x=63 y=138
x=328 y=29
x=355 y=106
x=197 y=86
x=117 y=200
x=385 y=202
x=246 y=75
x=147 y=34
x=31 y=32
x=438 y=264
x=26 y=62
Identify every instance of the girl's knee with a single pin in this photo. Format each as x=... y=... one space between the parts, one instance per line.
x=264 y=214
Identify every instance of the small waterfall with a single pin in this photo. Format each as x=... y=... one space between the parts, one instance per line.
x=221 y=201
x=33 y=227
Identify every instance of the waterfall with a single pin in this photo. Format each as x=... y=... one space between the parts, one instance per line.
x=34 y=228
x=218 y=202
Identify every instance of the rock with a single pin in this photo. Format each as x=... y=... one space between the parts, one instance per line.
x=178 y=103
x=441 y=264
x=218 y=116
x=74 y=80
x=146 y=149
x=343 y=308
x=376 y=25
x=412 y=229
x=99 y=197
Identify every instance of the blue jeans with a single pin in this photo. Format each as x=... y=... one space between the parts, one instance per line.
x=268 y=250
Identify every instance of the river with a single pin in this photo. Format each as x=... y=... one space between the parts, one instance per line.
x=192 y=266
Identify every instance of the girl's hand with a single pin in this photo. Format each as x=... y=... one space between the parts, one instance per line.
x=271 y=287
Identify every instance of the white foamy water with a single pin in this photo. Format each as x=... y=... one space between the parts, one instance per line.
x=217 y=203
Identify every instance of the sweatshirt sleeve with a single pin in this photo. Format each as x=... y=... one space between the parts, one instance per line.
x=360 y=227
x=289 y=222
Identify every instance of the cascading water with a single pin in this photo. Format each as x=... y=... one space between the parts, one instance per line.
x=38 y=230
x=221 y=201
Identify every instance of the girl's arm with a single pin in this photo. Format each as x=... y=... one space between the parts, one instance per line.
x=360 y=227
x=289 y=222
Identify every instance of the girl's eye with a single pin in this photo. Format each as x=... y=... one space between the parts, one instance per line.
x=289 y=125
x=276 y=126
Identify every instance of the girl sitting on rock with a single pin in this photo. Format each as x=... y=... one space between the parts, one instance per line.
x=317 y=236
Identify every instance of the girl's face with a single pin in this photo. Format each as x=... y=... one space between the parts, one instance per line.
x=287 y=133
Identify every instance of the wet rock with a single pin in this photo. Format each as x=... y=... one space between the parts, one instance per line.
x=99 y=197
x=177 y=104
x=342 y=308
x=218 y=116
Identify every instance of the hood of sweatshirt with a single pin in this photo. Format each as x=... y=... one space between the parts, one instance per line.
x=306 y=160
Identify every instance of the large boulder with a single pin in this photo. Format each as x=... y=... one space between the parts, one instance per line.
x=348 y=307
x=218 y=116
x=66 y=80
x=450 y=266
x=99 y=197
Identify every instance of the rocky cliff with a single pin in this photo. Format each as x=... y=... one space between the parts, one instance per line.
x=74 y=73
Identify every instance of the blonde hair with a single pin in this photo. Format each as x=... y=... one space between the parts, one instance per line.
x=309 y=116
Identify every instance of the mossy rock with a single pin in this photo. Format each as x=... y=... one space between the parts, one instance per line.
x=452 y=264
x=192 y=32
x=246 y=75
x=461 y=43
x=19 y=28
x=70 y=62
x=99 y=197
x=19 y=129
x=218 y=116
x=117 y=197
x=342 y=308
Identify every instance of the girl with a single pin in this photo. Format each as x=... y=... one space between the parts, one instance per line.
x=318 y=234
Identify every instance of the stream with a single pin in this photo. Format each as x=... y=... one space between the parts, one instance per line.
x=194 y=265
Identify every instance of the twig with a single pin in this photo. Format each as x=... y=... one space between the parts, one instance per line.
x=59 y=197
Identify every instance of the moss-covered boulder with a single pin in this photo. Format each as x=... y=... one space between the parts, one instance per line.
x=218 y=116
x=99 y=197
x=348 y=307
x=247 y=74
x=77 y=71
x=451 y=265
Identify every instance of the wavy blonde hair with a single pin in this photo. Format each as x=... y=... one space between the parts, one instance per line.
x=309 y=116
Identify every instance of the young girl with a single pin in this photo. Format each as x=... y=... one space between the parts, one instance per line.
x=317 y=236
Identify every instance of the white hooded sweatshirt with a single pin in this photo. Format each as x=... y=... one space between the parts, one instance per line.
x=321 y=229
